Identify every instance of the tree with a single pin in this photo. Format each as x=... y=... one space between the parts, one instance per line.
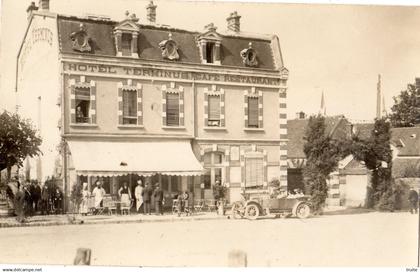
x=322 y=154
x=18 y=140
x=376 y=153
x=406 y=108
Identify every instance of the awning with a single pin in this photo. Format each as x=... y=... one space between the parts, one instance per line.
x=146 y=158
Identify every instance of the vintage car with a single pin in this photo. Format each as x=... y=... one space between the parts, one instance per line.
x=263 y=205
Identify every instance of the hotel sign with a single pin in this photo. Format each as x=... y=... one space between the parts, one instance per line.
x=172 y=74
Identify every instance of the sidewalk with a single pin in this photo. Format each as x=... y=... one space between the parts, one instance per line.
x=68 y=219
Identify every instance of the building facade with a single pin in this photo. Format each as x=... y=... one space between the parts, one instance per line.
x=118 y=101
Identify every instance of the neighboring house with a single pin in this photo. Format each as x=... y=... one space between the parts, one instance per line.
x=347 y=186
x=405 y=144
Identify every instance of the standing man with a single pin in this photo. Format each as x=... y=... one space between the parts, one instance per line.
x=36 y=195
x=158 y=196
x=138 y=193
x=147 y=198
x=99 y=193
x=413 y=198
x=45 y=200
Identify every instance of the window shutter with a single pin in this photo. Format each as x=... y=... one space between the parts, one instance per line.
x=252 y=112
x=172 y=109
x=129 y=103
x=214 y=108
x=254 y=172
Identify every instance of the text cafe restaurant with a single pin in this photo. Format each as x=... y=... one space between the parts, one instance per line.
x=140 y=100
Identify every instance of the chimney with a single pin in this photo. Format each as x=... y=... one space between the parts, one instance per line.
x=300 y=115
x=31 y=8
x=151 y=12
x=233 y=21
x=44 y=5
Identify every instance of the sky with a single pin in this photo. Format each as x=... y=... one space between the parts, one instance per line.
x=335 y=49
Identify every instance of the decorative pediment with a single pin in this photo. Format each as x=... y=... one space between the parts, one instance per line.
x=80 y=40
x=210 y=34
x=169 y=48
x=284 y=73
x=249 y=56
x=129 y=24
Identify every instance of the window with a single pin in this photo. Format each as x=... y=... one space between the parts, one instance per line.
x=172 y=109
x=82 y=105
x=213 y=164
x=209 y=52
x=254 y=172
x=207 y=179
x=253 y=112
x=129 y=107
x=214 y=111
x=126 y=44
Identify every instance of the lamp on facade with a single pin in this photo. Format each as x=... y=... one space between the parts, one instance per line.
x=123 y=164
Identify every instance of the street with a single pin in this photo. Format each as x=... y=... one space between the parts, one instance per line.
x=369 y=239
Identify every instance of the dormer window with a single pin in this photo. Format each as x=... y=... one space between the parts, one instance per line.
x=210 y=52
x=127 y=39
x=209 y=43
x=126 y=36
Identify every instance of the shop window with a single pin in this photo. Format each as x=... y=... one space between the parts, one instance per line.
x=129 y=107
x=253 y=112
x=126 y=39
x=213 y=111
x=82 y=105
x=165 y=182
x=254 y=172
x=172 y=109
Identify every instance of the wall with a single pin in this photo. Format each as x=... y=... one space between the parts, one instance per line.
x=38 y=90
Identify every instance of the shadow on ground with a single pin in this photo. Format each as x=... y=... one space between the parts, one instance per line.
x=348 y=211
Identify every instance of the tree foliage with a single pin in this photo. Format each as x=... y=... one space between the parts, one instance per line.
x=18 y=140
x=405 y=111
x=376 y=153
x=322 y=154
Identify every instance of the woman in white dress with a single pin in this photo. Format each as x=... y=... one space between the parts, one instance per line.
x=85 y=199
x=138 y=194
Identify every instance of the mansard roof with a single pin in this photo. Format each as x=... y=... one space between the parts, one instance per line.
x=102 y=41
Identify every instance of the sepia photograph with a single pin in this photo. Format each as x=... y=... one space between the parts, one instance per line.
x=138 y=133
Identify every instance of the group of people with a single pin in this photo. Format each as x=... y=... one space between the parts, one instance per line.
x=143 y=197
x=29 y=198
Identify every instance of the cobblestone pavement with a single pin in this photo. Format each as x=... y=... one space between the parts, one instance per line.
x=366 y=239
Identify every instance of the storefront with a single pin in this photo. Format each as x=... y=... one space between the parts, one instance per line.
x=171 y=164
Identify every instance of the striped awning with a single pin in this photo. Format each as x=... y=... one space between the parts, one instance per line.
x=146 y=158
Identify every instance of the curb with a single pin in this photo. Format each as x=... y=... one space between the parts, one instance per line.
x=82 y=222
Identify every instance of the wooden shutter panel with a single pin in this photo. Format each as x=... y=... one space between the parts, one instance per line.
x=252 y=112
x=172 y=109
x=254 y=172
x=214 y=108
x=129 y=103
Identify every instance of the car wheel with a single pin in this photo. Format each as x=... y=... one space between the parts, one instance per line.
x=237 y=210
x=303 y=211
x=252 y=211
